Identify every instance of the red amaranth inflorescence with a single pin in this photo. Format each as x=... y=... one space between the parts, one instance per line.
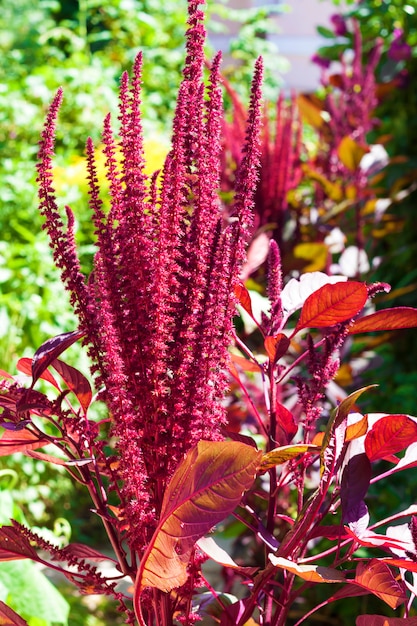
x=157 y=309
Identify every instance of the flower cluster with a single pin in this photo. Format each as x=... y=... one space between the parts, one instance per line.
x=157 y=309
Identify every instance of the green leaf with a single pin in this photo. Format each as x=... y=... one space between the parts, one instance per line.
x=350 y=152
x=285 y=453
x=206 y=487
x=31 y=594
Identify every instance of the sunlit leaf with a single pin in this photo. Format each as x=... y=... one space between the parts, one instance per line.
x=356 y=430
x=245 y=364
x=389 y=435
x=51 y=349
x=333 y=189
x=22 y=441
x=219 y=555
x=285 y=453
x=243 y=296
x=8 y=617
x=350 y=152
x=376 y=577
x=75 y=381
x=315 y=255
x=387 y=319
x=332 y=304
x=311 y=573
x=206 y=487
x=276 y=346
x=310 y=112
x=296 y=291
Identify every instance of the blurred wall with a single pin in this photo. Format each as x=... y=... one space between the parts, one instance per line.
x=297 y=38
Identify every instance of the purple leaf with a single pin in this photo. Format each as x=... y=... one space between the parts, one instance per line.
x=76 y=382
x=50 y=350
x=355 y=482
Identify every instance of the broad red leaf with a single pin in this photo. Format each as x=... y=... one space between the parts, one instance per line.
x=76 y=382
x=332 y=304
x=381 y=620
x=50 y=350
x=14 y=545
x=243 y=296
x=387 y=319
x=24 y=365
x=276 y=346
x=22 y=441
x=376 y=577
x=389 y=435
x=4 y=374
x=8 y=617
x=206 y=487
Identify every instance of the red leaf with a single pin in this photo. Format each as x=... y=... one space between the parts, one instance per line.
x=332 y=304
x=242 y=294
x=21 y=441
x=14 y=545
x=276 y=346
x=206 y=487
x=387 y=319
x=75 y=381
x=245 y=364
x=24 y=365
x=286 y=425
x=50 y=350
x=381 y=620
x=376 y=577
x=389 y=435
x=8 y=617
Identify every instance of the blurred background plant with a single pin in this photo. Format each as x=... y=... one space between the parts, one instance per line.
x=394 y=23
